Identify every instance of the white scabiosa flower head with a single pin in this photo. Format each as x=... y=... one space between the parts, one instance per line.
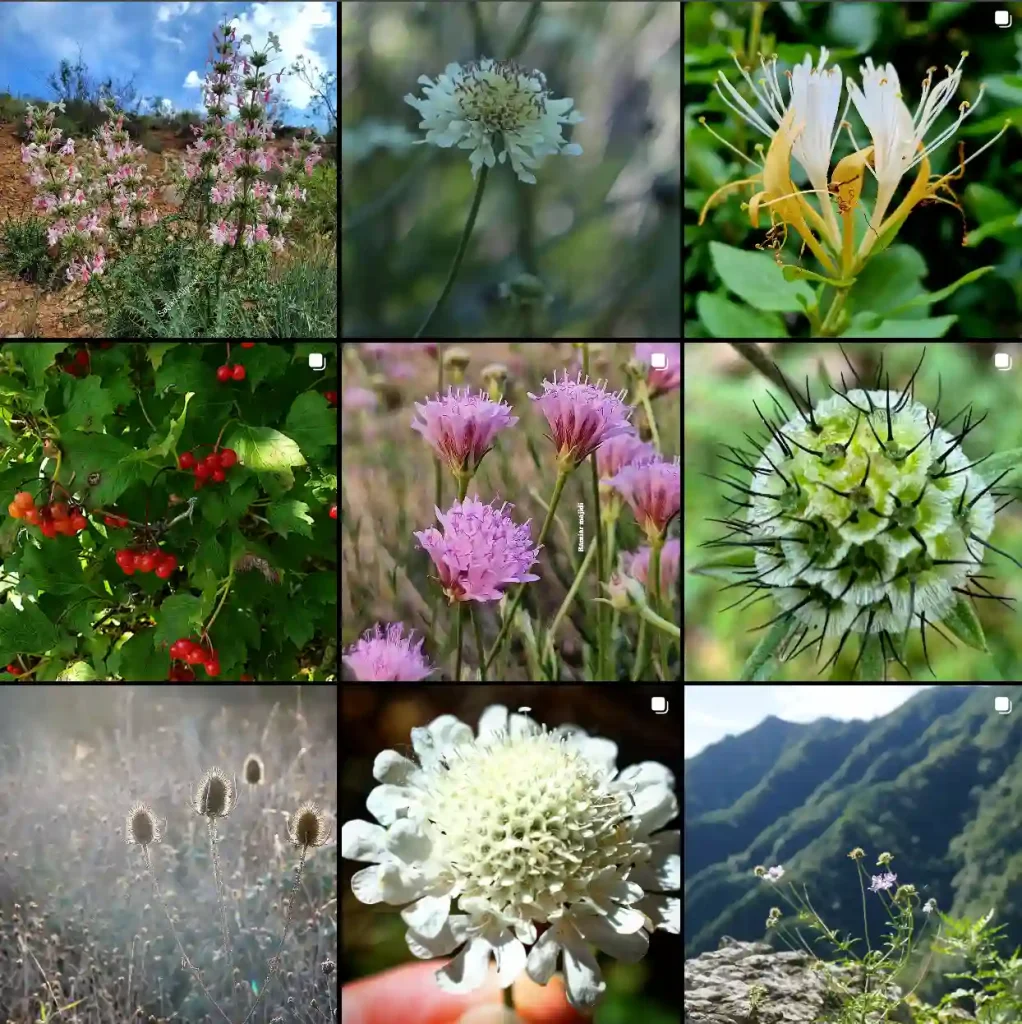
x=495 y=101
x=865 y=516
x=534 y=835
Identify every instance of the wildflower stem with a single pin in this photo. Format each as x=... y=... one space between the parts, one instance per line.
x=653 y=586
x=640 y=652
x=562 y=477
x=651 y=419
x=480 y=650
x=438 y=473
x=459 y=620
x=521 y=37
x=568 y=598
x=829 y=327
x=460 y=255
x=601 y=564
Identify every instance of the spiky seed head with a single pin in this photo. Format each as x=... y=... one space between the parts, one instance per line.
x=327 y=967
x=308 y=826
x=141 y=827
x=254 y=772
x=214 y=795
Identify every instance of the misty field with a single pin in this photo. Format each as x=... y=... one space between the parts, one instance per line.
x=82 y=928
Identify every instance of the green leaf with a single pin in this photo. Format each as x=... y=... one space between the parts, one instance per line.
x=871 y=665
x=997 y=464
x=928 y=298
x=993 y=228
x=793 y=273
x=762 y=662
x=854 y=24
x=755 y=277
x=962 y=621
x=889 y=278
x=935 y=327
x=726 y=319
x=721 y=568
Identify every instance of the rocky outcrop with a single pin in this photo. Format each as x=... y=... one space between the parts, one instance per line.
x=752 y=983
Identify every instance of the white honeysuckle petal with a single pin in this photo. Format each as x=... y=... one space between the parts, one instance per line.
x=654 y=808
x=663 y=911
x=510 y=956
x=583 y=980
x=406 y=841
x=428 y=915
x=392 y=767
x=362 y=840
x=542 y=959
x=467 y=971
x=449 y=938
x=387 y=803
x=627 y=946
x=494 y=718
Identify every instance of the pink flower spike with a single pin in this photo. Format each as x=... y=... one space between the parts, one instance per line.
x=480 y=551
x=582 y=416
x=637 y=565
x=392 y=657
x=667 y=379
x=461 y=427
x=653 y=490
x=619 y=452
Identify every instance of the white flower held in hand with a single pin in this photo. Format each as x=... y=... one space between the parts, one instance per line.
x=522 y=827
x=474 y=105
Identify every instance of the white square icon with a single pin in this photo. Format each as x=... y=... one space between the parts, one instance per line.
x=1002 y=360
x=317 y=361
x=1002 y=19
x=1002 y=705
x=659 y=705
x=658 y=360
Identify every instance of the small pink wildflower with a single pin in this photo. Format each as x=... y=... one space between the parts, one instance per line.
x=637 y=564
x=653 y=490
x=582 y=416
x=666 y=379
x=884 y=881
x=619 y=452
x=392 y=657
x=462 y=426
x=480 y=551
x=358 y=398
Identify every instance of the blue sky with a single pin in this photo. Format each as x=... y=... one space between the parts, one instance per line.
x=164 y=47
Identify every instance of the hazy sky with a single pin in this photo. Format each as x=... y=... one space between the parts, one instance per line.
x=713 y=712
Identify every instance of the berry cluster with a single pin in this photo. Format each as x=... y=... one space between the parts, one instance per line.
x=51 y=519
x=212 y=468
x=14 y=669
x=78 y=365
x=225 y=373
x=194 y=654
x=163 y=563
x=330 y=396
x=116 y=521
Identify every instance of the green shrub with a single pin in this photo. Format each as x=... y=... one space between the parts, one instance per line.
x=151 y=142
x=23 y=250
x=317 y=216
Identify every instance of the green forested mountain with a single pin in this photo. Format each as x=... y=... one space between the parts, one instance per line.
x=937 y=783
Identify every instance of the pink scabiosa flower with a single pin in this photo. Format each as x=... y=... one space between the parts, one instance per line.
x=387 y=657
x=582 y=416
x=660 y=381
x=357 y=399
x=653 y=489
x=461 y=427
x=637 y=564
x=480 y=552
x=621 y=451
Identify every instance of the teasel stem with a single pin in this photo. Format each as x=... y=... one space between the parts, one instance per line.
x=218 y=878
x=562 y=478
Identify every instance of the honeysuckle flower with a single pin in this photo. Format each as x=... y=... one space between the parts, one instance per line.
x=490 y=101
x=653 y=490
x=637 y=564
x=582 y=416
x=533 y=836
x=380 y=656
x=866 y=516
x=461 y=427
x=481 y=550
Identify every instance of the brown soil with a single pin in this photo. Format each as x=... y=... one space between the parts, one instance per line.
x=29 y=310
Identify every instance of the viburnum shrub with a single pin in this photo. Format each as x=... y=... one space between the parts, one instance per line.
x=111 y=556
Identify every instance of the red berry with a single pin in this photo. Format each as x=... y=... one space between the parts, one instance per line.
x=246 y=678
x=14 y=669
x=125 y=558
x=195 y=655
x=202 y=471
x=238 y=373
x=179 y=648
x=48 y=530
x=228 y=457
x=223 y=374
x=248 y=344
x=186 y=461
x=82 y=357
x=330 y=396
x=59 y=510
x=24 y=499
x=164 y=571
x=146 y=562
x=212 y=460
x=212 y=667
x=32 y=516
x=15 y=510
x=169 y=559
x=78 y=523
x=218 y=476
x=333 y=511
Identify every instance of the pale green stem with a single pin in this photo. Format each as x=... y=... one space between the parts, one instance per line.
x=459 y=616
x=664 y=625
x=480 y=650
x=601 y=643
x=648 y=406
x=830 y=321
x=641 y=650
x=438 y=473
x=568 y=598
x=562 y=477
x=653 y=589
x=460 y=255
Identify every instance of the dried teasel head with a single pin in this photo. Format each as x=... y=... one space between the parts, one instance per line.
x=254 y=773
x=141 y=827
x=214 y=795
x=308 y=826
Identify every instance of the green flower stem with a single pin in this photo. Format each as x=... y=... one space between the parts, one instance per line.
x=664 y=625
x=651 y=419
x=459 y=616
x=521 y=37
x=601 y=564
x=568 y=598
x=829 y=328
x=438 y=473
x=460 y=255
x=508 y=998
x=562 y=478
x=653 y=589
x=480 y=650
x=641 y=650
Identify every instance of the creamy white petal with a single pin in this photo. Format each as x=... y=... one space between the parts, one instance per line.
x=663 y=911
x=542 y=959
x=662 y=873
x=387 y=803
x=582 y=977
x=448 y=939
x=494 y=718
x=609 y=886
x=467 y=971
x=572 y=149
x=362 y=840
x=646 y=773
x=654 y=808
x=441 y=735
x=387 y=883
x=510 y=955
x=599 y=751
x=602 y=934
x=395 y=768
x=427 y=916
x=407 y=842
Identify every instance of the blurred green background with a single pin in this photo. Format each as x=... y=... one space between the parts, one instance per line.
x=720 y=387
x=928 y=254
x=601 y=231
x=375 y=718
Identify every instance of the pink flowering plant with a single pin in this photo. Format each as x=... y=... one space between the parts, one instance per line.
x=877 y=978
